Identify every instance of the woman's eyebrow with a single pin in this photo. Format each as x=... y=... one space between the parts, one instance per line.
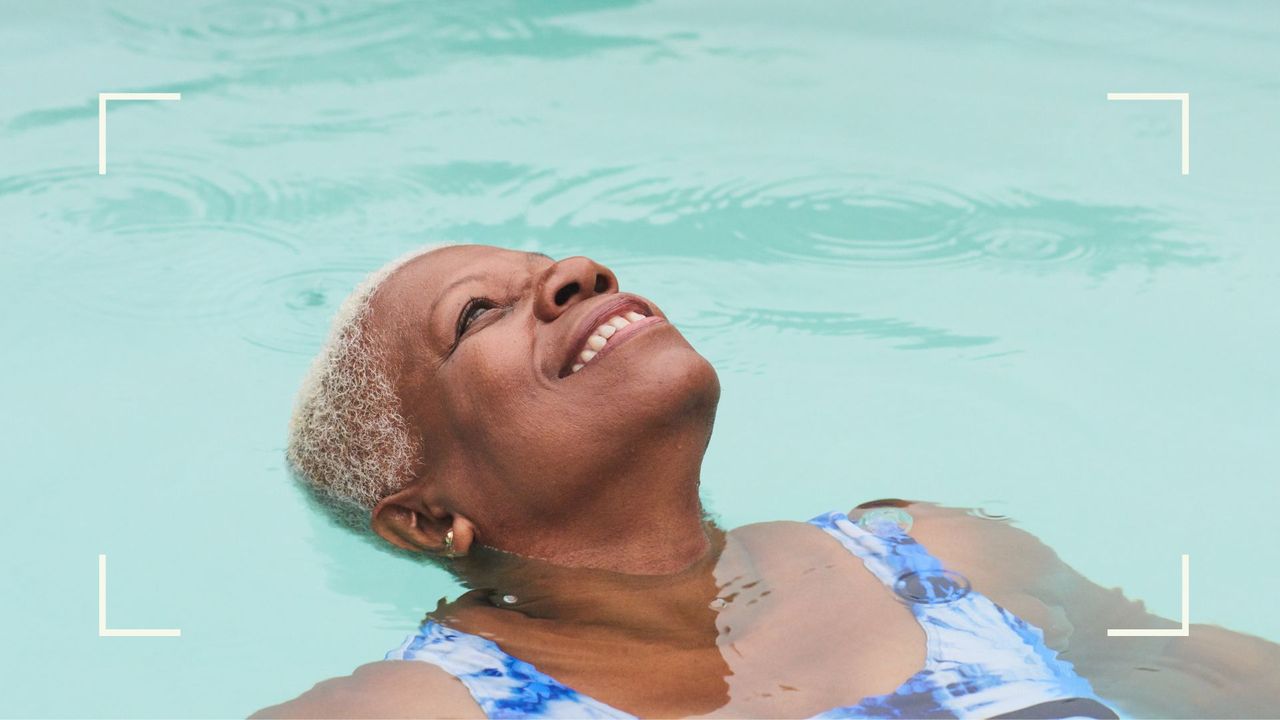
x=444 y=293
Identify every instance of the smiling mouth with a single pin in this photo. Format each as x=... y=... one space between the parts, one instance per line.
x=613 y=331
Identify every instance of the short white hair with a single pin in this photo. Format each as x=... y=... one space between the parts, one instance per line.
x=348 y=441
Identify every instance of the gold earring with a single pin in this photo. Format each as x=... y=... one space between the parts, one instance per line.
x=448 y=543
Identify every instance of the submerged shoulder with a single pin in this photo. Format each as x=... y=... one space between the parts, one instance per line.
x=957 y=536
x=383 y=689
x=959 y=530
x=968 y=539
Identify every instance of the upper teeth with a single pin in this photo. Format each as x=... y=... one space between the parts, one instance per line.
x=598 y=339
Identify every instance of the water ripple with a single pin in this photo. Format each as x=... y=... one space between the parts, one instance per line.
x=167 y=189
x=253 y=31
x=164 y=189
x=839 y=220
x=322 y=126
x=296 y=308
x=909 y=336
x=286 y=43
x=623 y=213
x=361 y=40
x=203 y=274
x=833 y=220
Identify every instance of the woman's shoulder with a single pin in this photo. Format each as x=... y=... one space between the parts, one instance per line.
x=962 y=537
x=383 y=689
x=993 y=554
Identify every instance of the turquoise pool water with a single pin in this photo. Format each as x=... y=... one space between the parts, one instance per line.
x=928 y=257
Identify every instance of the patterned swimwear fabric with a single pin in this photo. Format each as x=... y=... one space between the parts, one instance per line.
x=981 y=660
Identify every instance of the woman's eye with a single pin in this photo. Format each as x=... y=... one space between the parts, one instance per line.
x=472 y=312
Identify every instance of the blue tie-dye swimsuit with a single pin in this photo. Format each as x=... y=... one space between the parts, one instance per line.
x=982 y=660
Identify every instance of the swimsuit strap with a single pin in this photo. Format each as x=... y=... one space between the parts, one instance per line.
x=885 y=548
x=503 y=686
x=981 y=660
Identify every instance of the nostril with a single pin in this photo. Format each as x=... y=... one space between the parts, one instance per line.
x=602 y=282
x=566 y=292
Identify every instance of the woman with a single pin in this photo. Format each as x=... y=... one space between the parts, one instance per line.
x=540 y=433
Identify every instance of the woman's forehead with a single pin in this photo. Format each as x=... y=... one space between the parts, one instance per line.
x=415 y=287
x=436 y=270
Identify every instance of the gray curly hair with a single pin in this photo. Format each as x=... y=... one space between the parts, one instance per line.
x=348 y=442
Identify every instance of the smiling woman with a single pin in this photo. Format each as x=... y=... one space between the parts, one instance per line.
x=541 y=433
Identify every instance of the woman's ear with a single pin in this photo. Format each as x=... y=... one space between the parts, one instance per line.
x=403 y=520
x=406 y=521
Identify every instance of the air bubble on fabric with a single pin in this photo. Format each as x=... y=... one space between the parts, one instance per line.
x=886 y=521
x=931 y=587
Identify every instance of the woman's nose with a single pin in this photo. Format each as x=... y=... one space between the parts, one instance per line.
x=568 y=283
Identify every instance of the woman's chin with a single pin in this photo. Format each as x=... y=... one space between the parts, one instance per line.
x=679 y=384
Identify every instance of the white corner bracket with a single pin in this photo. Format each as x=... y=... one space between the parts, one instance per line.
x=103 y=630
x=102 y=118
x=1183 y=631
x=1185 y=99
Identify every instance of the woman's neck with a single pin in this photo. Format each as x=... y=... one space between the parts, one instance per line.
x=638 y=514
x=675 y=607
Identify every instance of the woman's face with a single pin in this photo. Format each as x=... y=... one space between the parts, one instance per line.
x=516 y=422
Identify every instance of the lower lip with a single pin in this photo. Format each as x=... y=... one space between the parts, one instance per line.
x=622 y=336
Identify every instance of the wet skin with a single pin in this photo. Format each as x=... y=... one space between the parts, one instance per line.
x=578 y=494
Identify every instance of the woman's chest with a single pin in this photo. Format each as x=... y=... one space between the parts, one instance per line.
x=833 y=636
x=821 y=634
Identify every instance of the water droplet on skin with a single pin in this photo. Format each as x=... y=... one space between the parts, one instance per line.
x=991 y=510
